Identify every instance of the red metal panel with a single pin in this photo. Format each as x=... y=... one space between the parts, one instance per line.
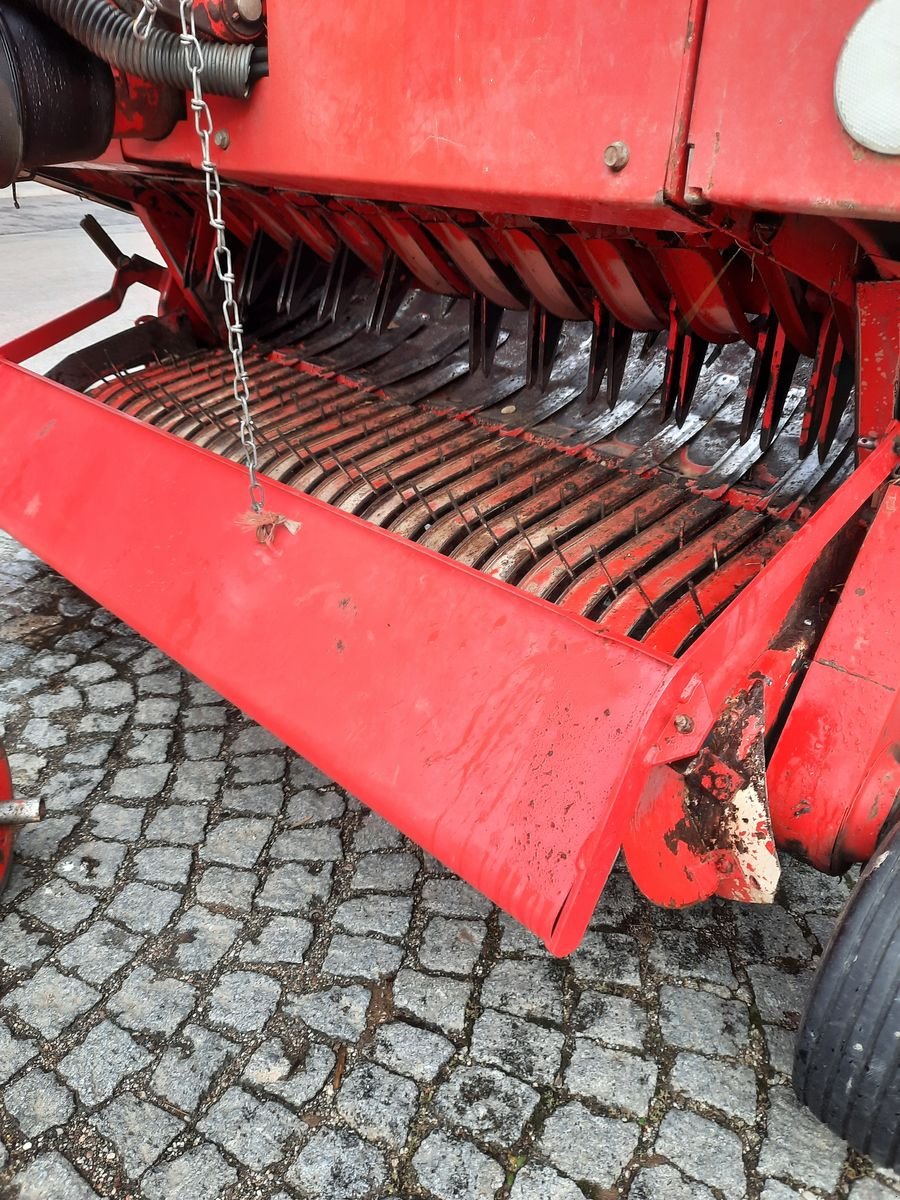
x=764 y=129
x=846 y=712
x=878 y=356
x=501 y=106
x=490 y=726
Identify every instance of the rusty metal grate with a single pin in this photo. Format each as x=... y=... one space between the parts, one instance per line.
x=641 y=554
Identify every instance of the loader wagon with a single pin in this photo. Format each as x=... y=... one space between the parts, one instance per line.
x=517 y=434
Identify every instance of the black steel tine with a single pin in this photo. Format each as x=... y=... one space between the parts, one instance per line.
x=309 y=452
x=699 y=607
x=562 y=558
x=544 y=330
x=759 y=376
x=337 y=459
x=603 y=567
x=459 y=512
x=481 y=517
x=528 y=542
x=619 y=347
x=423 y=499
x=393 y=285
x=598 y=353
x=390 y=478
x=371 y=486
x=644 y=596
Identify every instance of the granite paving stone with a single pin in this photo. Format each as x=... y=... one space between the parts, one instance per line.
x=487 y=1102
x=525 y=988
x=150 y=1003
x=378 y=1104
x=614 y=1078
x=99 y=952
x=436 y=1000
x=385 y=915
x=452 y=1169
x=186 y=1071
x=200 y=1173
x=201 y=938
x=14 y=1052
x=587 y=1147
x=99 y=1063
x=338 y=1012
x=37 y=1101
x=50 y=1001
x=451 y=946
x=798 y=1148
x=244 y=1000
x=52 y=1175
x=727 y=1086
x=253 y=1131
x=339 y=1164
x=530 y=1051
x=58 y=905
x=236 y=841
x=139 y=1130
x=295 y=1079
x=144 y=908
x=227 y=887
x=412 y=1051
x=693 y=1019
x=365 y=957
x=307 y=807
x=704 y=1150
x=615 y=1020
x=543 y=1183
x=388 y=871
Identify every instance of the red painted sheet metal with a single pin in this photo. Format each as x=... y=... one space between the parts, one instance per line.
x=506 y=107
x=845 y=717
x=491 y=727
x=764 y=129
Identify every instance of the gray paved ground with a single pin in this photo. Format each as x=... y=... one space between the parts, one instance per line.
x=221 y=977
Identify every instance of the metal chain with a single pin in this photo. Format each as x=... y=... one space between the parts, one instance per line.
x=143 y=22
x=222 y=261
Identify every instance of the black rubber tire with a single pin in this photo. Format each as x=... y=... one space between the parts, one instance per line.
x=847 y=1058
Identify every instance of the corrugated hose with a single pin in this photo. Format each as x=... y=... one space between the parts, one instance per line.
x=228 y=68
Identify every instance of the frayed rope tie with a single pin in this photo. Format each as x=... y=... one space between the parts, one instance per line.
x=264 y=524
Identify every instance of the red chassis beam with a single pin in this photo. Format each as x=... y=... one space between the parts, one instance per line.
x=518 y=743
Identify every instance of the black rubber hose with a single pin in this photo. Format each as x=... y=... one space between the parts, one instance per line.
x=107 y=32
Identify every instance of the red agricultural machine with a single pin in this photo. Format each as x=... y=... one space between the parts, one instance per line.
x=517 y=433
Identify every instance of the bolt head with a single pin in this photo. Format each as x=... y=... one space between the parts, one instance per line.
x=222 y=140
x=249 y=10
x=616 y=156
x=684 y=723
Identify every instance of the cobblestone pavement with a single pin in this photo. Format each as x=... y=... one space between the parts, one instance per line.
x=222 y=977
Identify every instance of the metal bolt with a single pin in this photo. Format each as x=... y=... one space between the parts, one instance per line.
x=222 y=140
x=249 y=10
x=684 y=723
x=507 y=409
x=21 y=812
x=616 y=156
x=867 y=443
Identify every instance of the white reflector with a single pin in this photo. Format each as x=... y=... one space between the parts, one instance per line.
x=867 y=79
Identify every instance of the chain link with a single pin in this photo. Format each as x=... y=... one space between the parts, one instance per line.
x=143 y=22
x=222 y=261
